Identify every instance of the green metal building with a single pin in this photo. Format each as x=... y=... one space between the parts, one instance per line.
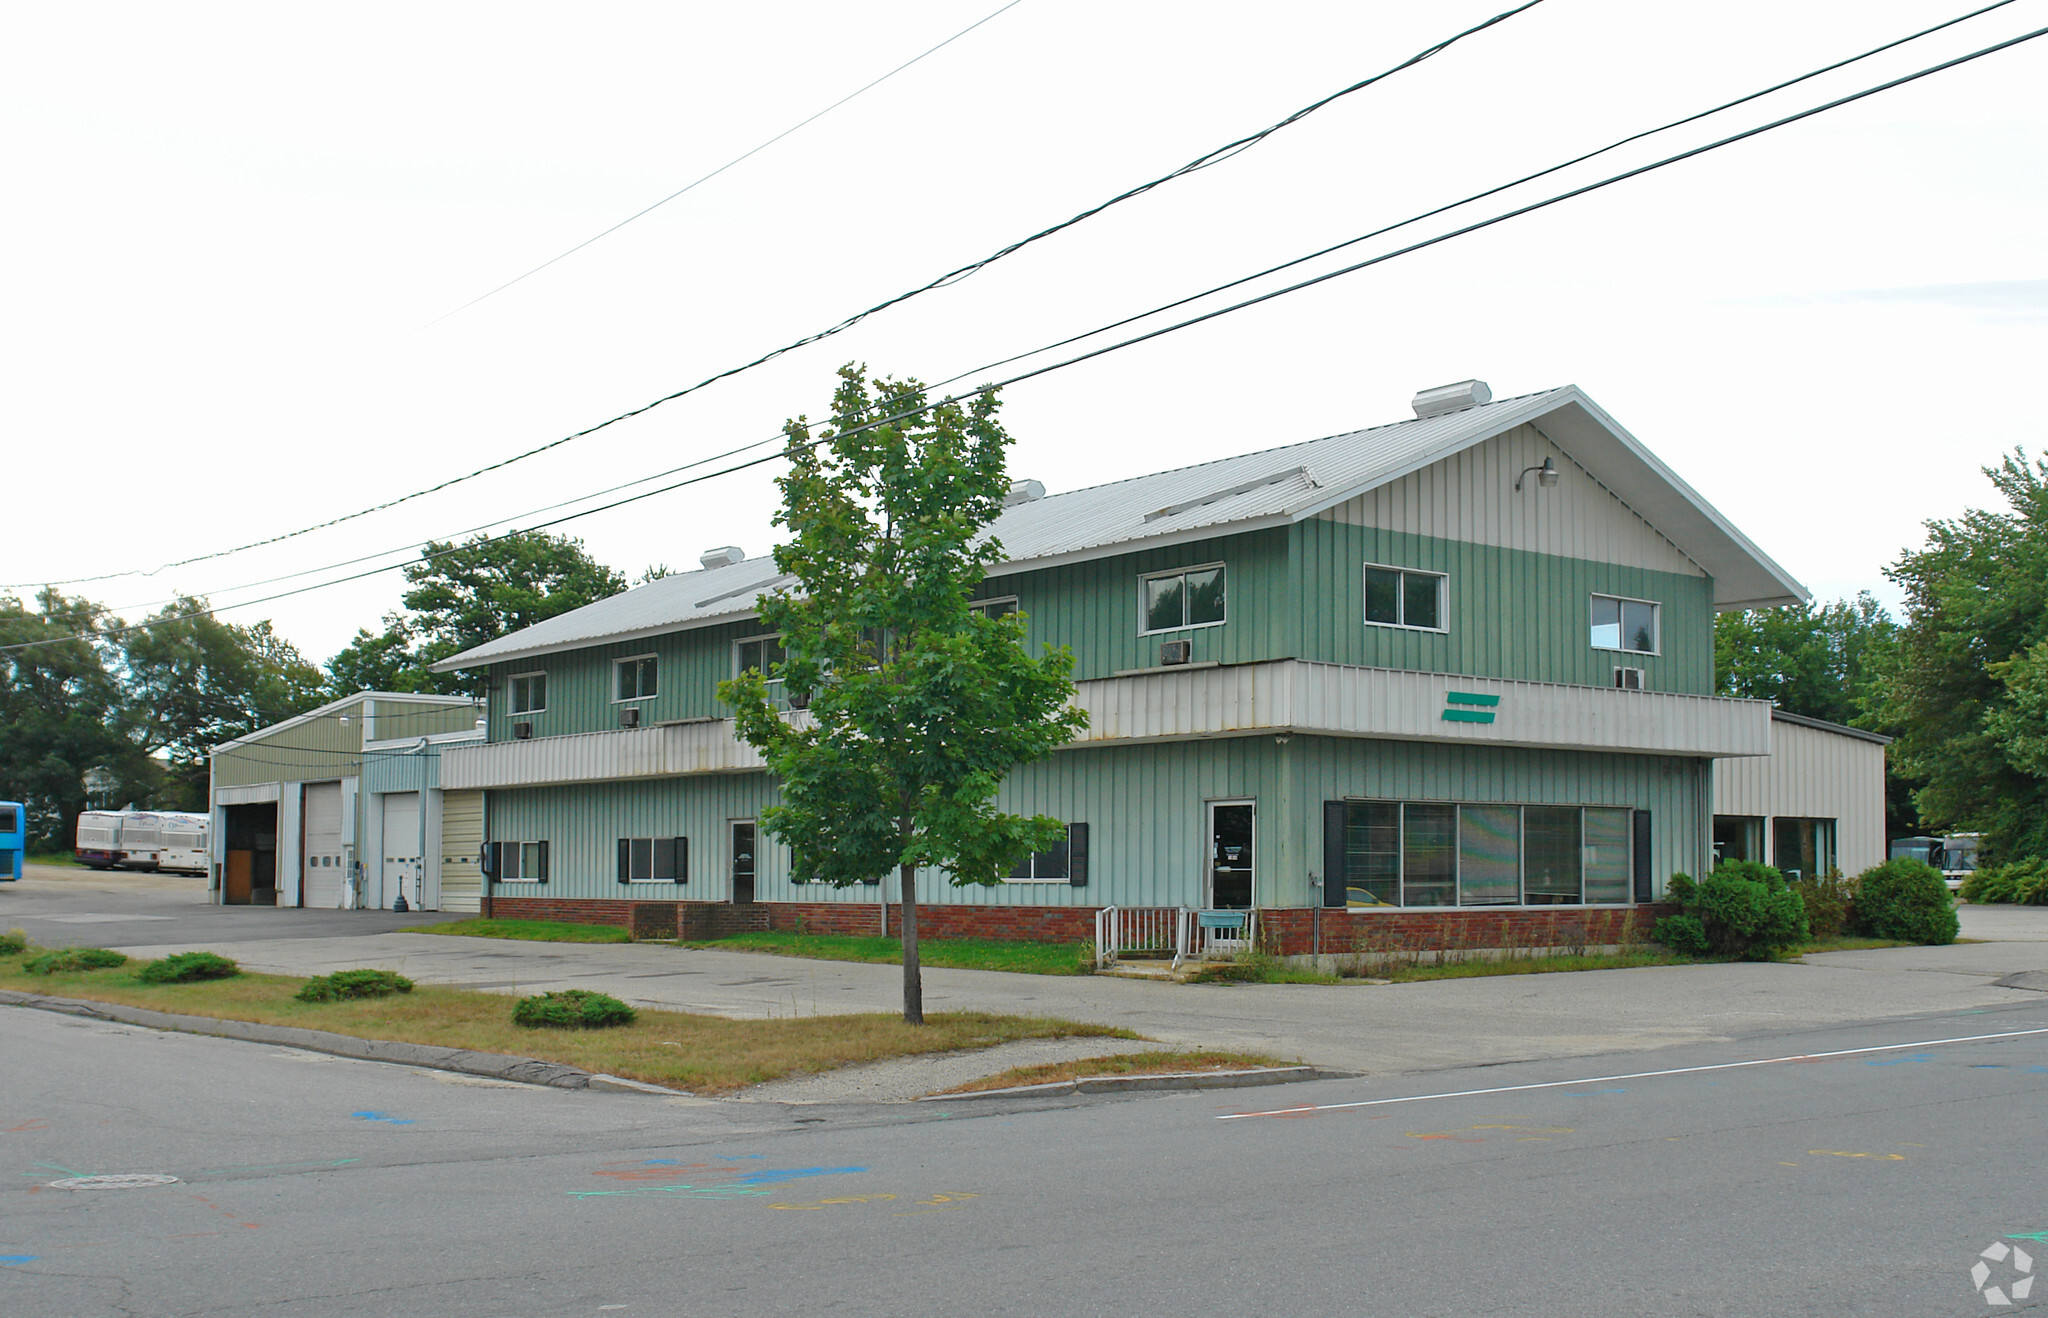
x=1446 y=678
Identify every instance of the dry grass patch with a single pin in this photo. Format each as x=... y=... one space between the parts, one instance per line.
x=703 y=1054
x=1174 y=1063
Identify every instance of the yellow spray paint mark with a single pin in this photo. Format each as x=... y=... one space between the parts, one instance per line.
x=847 y=1199
x=1840 y=1153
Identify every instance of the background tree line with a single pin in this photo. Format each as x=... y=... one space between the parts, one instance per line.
x=135 y=710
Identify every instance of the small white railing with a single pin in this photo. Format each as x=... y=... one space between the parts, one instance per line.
x=1185 y=932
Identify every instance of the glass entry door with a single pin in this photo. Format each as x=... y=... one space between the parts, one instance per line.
x=743 y=862
x=1230 y=855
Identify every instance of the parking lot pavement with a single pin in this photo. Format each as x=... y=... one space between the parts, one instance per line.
x=64 y=907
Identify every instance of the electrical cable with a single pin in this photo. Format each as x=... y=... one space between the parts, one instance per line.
x=1216 y=156
x=716 y=172
x=1298 y=286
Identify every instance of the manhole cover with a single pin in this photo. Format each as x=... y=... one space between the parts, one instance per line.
x=118 y=1181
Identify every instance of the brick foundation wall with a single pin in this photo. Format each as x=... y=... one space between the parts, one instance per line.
x=1298 y=930
x=1029 y=924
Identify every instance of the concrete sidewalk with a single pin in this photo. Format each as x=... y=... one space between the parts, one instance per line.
x=1358 y=1027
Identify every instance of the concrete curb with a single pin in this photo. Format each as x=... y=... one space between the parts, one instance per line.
x=1129 y=1084
x=498 y=1066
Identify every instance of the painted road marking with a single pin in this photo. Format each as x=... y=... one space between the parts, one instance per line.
x=384 y=1117
x=16 y=1260
x=1634 y=1075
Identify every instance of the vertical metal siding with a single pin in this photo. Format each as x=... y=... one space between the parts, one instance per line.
x=1813 y=774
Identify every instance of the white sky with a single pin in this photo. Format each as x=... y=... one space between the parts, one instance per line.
x=226 y=225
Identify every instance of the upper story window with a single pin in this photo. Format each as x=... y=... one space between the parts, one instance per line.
x=1186 y=597
x=1625 y=624
x=995 y=608
x=1401 y=597
x=636 y=678
x=529 y=693
x=761 y=653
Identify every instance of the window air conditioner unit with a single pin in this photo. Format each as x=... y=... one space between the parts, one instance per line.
x=1628 y=679
x=1176 y=652
x=522 y=731
x=629 y=717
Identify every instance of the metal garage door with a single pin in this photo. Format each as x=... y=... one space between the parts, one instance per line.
x=462 y=838
x=326 y=879
x=401 y=848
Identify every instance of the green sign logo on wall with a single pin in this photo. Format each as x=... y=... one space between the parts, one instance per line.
x=1461 y=710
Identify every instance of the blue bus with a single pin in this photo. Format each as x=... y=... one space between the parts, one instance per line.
x=13 y=839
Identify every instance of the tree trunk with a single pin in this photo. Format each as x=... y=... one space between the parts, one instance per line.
x=913 y=978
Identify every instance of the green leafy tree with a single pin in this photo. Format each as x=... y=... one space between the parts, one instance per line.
x=194 y=681
x=460 y=596
x=1827 y=661
x=918 y=706
x=1967 y=690
x=63 y=715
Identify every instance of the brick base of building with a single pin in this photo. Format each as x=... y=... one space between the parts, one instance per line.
x=1285 y=931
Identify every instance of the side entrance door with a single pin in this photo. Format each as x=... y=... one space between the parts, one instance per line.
x=1231 y=825
x=743 y=862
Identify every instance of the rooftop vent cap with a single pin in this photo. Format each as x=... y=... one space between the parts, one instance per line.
x=722 y=557
x=1452 y=398
x=1024 y=492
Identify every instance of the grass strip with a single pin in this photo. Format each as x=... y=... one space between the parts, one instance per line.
x=1845 y=943
x=953 y=953
x=703 y=1054
x=530 y=931
x=1171 y=1063
x=1408 y=972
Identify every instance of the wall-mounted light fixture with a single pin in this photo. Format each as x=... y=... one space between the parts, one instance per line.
x=1546 y=474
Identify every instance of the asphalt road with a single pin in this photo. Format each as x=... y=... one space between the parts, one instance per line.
x=1866 y=1177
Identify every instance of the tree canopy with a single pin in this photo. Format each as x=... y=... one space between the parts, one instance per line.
x=917 y=705
x=1969 y=694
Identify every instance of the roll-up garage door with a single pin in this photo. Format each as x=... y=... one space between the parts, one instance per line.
x=401 y=848
x=326 y=878
x=462 y=838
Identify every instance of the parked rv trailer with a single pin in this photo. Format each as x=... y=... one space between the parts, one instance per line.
x=139 y=830
x=182 y=842
x=99 y=838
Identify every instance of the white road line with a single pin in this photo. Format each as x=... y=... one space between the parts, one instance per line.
x=1633 y=1075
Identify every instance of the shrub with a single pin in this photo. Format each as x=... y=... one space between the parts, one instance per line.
x=1905 y=899
x=65 y=960
x=353 y=984
x=1683 y=934
x=1744 y=909
x=13 y=943
x=572 y=1009
x=1829 y=902
x=185 y=967
x=2022 y=881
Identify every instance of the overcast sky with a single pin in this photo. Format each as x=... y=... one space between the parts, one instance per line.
x=232 y=232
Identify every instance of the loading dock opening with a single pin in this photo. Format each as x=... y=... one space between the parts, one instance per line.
x=249 y=868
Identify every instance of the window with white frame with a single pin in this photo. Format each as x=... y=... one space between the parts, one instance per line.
x=1065 y=862
x=1183 y=598
x=761 y=653
x=1625 y=624
x=636 y=678
x=529 y=693
x=1403 y=597
x=654 y=860
x=516 y=862
x=1442 y=853
x=995 y=608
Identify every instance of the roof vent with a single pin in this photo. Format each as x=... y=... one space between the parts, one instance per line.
x=724 y=557
x=1024 y=492
x=1452 y=398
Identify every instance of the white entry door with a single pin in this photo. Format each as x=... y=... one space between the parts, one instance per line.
x=401 y=848
x=325 y=882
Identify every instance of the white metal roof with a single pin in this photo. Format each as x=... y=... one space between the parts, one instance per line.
x=334 y=706
x=1268 y=488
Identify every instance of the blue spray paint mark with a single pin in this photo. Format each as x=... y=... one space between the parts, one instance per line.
x=793 y=1174
x=754 y=1183
x=1900 y=1061
x=384 y=1117
x=16 y=1260
x=2037 y=1070
x=2039 y=1237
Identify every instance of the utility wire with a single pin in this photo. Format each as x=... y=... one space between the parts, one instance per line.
x=1181 y=302
x=1218 y=155
x=1298 y=286
x=716 y=172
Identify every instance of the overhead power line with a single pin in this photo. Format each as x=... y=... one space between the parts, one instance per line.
x=1216 y=156
x=1090 y=355
x=720 y=170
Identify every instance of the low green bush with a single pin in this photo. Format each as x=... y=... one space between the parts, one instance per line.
x=1683 y=934
x=1829 y=900
x=13 y=943
x=353 y=984
x=572 y=1009
x=185 y=967
x=1744 y=910
x=2023 y=882
x=65 y=960
x=1905 y=899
